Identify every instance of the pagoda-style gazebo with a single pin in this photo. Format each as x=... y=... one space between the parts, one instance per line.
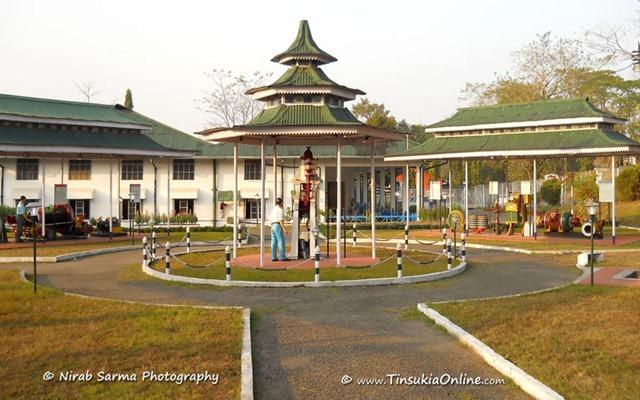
x=303 y=107
x=560 y=128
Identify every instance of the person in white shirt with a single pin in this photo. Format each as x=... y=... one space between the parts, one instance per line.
x=276 y=218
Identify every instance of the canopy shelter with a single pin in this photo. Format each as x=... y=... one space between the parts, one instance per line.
x=544 y=129
x=303 y=107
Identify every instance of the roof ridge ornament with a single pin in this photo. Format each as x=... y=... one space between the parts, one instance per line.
x=304 y=48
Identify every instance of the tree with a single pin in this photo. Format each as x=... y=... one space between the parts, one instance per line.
x=128 y=99
x=87 y=88
x=550 y=191
x=227 y=102
x=374 y=114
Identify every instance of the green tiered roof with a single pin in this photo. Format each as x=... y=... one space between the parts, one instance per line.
x=523 y=112
x=301 y=115
x=304 y=48
x=297 y=76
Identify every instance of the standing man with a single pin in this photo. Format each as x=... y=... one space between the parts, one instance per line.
x=277 y=232
x=21 y=216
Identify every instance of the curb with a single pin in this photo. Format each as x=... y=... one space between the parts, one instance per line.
x=246 y=378
x=310 y=284
x=246 y=363
x=94 y=252
x=526 y=382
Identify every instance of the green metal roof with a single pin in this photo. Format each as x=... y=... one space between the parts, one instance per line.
x=61 y=109
x=533 y=111
x=301 y=115
x=304 y=47
x=172 y=138
x=544 y=140
x=35 y=137
x=304 y=76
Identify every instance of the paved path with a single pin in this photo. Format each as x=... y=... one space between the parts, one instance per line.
x=306 y=339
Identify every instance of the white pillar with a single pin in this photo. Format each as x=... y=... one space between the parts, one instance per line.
x=235 y=200
x=466 y=196
x=534 y=226
x=339 y=200
x=450 y=190
x=262 y=202
x=358 y=188
x=406 y=192
x=44 y=203
x=168 y=194
x=110 y=196
x=372 y=206
x=418 y=192
x=613 y=203
x=275 y=173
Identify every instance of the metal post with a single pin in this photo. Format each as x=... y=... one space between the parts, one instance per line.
x=167 y=259
x=399 y=260
x=188 y=239
x=613 y=203
x=450 y=190
x=227 y=258
x=455 y=231
x=262 y=202
x=275 y=172
x=372 y=206
x=235 y=200
x=339 y=199
x=406 y=189
x=316 y=259
x=35 y=263
x=418 y=191
x=406 y=237
x=44 y=204
x=145 y=260
x=444 y=241
x=534 y=226
x=449 y=254
x=463 y=247
x=153 y=243
x=355 y=227
x=593 y=228
x=110 y=199
x=168 y=197
x=344 y=237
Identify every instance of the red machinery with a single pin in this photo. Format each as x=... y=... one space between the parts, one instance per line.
x=59 y=221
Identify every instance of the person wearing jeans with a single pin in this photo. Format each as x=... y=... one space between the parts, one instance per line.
x=276 y=218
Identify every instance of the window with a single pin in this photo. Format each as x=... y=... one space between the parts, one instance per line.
x=183 y=206
x=79 y=170
x=80 y=208
x=130 y=208
x=27 y=169
x=183 y=170
x=252 y=209
x=132 y=170
x=252 y=170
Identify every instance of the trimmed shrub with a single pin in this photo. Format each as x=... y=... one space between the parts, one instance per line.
x=628 y=184
x=550 y=192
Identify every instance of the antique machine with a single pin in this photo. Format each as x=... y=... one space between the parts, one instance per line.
x=303 y=200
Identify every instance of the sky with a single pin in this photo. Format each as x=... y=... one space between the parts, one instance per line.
x=414 y=56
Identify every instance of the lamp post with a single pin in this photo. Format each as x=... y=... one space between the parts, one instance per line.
x=592 y=209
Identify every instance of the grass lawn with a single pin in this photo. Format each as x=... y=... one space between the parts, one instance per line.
x=387 y=269
x=580 y=341
x=55 y=248
x=629 y=213
x=49 y=331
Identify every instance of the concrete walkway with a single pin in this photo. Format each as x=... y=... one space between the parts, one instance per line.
x=306 y=340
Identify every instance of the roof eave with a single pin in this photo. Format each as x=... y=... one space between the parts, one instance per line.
x=521 y=124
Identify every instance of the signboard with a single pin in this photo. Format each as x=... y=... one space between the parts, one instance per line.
x=436 y=190
x=605 y=194
x=134 y=190
x=493 y=187
x=60 y=193
x=525 y=187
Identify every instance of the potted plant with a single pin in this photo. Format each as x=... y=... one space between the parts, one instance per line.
x=5 y=211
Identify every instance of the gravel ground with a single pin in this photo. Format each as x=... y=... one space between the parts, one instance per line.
x=305 y=340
